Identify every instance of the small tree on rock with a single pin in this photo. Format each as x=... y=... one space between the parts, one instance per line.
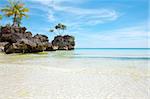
x=59 y=28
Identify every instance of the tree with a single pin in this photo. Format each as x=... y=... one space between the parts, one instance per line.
x=60 y=29
x=15 y=9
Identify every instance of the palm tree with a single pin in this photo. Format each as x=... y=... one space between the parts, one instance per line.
x=59 y=27
x=15 y=9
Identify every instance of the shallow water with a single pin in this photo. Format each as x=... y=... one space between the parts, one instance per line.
x=82 y=58
x=78 y=74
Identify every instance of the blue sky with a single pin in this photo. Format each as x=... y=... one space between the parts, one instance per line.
x=94 y=23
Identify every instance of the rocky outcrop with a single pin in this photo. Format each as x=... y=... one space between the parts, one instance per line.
x=63 y=42
x=13 y=34
x=21 y=41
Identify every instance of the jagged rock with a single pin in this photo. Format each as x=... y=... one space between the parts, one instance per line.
x=63 y=42
x=6 y=30
x=12 y=38
x=21 y=41
x=12 y=34
x=25 y=46
x=41 y=38
x=50 y=47
x=2 y=44
x=28 y=35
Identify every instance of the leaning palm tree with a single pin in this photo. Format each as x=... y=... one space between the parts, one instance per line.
x=15 y=9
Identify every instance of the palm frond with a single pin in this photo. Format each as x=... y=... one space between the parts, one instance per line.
x=5 y=9
x=23 y=15
x=25 y=10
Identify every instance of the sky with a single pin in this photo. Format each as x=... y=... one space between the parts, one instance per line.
x=94 y=23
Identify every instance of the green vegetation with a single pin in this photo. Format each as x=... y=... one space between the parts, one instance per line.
x=60 y=29
x=16 y=10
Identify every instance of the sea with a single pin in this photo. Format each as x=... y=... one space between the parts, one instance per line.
x=105 y=55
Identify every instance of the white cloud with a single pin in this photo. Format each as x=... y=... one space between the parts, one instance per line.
x=48 y=2
x=51 y=16
x=86 y=16
x=45 y=2
x=77 y=15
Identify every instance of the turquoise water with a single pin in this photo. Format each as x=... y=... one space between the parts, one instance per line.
x=108 y=53
x=86 y=56
x=93 y=53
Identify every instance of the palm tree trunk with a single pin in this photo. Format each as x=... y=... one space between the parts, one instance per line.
x=15 y=24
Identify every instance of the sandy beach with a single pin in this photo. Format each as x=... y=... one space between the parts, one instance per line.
x=64 y=78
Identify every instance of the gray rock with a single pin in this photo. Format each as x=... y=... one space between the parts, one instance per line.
x=63 y=42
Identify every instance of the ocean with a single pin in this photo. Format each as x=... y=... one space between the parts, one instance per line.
x=100 y=54
x=113 y=53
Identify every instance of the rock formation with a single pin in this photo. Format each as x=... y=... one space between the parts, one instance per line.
x=18 y=40
x=63 y=42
